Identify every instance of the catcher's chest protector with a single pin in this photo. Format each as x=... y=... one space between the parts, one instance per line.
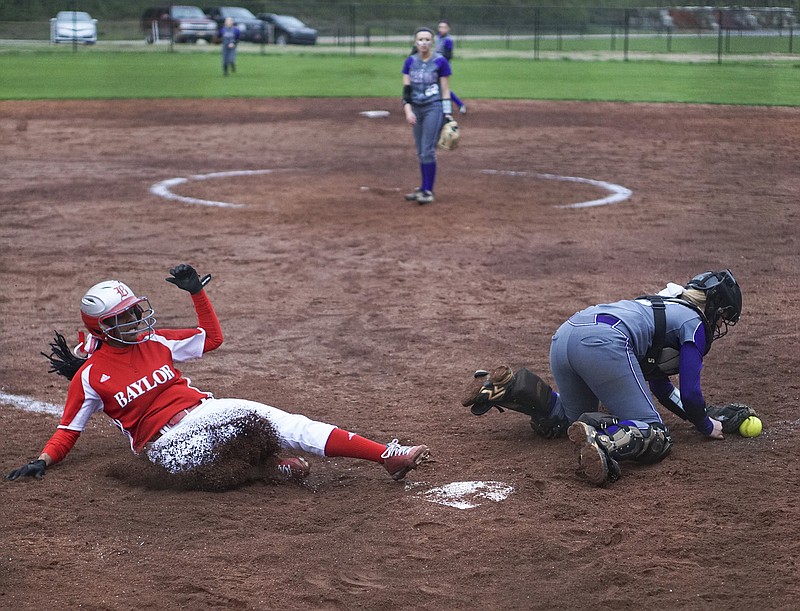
x=660 y=360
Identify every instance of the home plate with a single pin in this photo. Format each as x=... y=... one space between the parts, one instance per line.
x=374 y=114
x=467 y=495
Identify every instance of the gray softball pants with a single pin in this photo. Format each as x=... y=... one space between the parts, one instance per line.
x=592 y=363
x=427 y=129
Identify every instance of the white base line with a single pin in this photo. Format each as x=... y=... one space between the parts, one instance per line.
x=162 y=188
x=618 y=193
x=30 y=405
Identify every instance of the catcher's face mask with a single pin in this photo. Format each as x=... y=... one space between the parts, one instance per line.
x=126 y=327
x=723 y=299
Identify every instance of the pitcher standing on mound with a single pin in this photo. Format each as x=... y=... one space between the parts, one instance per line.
x=426 y=104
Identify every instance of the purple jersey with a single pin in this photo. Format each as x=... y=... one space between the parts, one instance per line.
x=425 y=77
x=444 y=46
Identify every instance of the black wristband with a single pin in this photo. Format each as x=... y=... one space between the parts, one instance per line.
x=406 y=94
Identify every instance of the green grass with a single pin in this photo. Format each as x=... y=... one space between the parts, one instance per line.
x=94 y=73
x=632 y=81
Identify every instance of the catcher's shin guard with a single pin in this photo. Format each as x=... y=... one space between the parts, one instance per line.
x=594 y=463
x=521 y=391
x=533 y=396
x=624 y=440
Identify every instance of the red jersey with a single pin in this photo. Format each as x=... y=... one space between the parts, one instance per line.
x=138 y=386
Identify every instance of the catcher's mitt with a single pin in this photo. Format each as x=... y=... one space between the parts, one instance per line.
x=731 y=415
x=449 y=136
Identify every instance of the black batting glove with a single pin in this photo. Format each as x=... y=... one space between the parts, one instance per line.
x=35 y=468
x=185 y=277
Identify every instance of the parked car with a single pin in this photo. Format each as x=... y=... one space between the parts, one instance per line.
x=289 y=30
x=183 y=23
x=73 y=26
x=251 y=28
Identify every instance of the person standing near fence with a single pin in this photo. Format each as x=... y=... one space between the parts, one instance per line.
x=426 y=104
x=229 y=37
x=444 y=45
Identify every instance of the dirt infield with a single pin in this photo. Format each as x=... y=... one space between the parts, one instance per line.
x=344 y=302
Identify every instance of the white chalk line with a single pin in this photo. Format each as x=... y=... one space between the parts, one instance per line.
x=30 y=405
x=618 y=192
x=163 y=188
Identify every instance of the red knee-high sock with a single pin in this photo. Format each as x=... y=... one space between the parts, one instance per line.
x=344 y=443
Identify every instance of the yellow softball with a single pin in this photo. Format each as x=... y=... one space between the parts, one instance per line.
x=750 y=427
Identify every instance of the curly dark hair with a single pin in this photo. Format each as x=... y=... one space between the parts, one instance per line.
x=62 y=360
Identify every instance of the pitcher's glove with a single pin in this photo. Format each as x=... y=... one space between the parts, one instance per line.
x=449 y=136
x=731 y=415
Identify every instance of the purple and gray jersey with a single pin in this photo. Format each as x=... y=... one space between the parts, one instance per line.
x=444 y=46
x=683 y=324
x=424 y=76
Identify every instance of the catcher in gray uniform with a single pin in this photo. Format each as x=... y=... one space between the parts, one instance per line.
x=610 y=353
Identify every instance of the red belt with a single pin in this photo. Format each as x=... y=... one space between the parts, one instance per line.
x=172 y=422
x=180 y=415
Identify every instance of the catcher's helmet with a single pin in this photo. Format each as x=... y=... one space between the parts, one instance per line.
x=723 y=299
x=105 y=301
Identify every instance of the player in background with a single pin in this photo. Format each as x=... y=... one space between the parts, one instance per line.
x=609 y=353
x=444 y=45
x=426 y=104
x=229 y=37
x=126 y=369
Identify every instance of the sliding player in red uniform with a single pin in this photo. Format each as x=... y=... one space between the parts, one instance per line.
x=127 y=370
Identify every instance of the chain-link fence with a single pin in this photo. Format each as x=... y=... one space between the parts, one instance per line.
x=478 y=29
